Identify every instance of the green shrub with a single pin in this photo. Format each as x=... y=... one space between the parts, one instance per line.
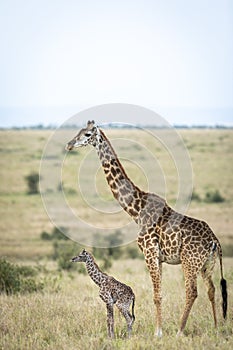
x=17 y=279
x=32 y=182
x=214 y=197
x=29 y=285
x=106 y=264
x=133 y=252
x=9 y=278
x=56 y=234
x=63 y=253
x=45 y=236
x=112 y=243
x=195 y=196
x=27 y=271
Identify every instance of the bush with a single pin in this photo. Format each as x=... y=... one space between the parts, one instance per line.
x=214 y=197
x=45 y=236
x=112 y=243
x=29 y=285
x=32 y=182
x=133 y=252
x=63 y=253
x=26 y=271
x=195 y=196
x=106 y=264
x=17 y=279
x=10 y=278
x=57 y=234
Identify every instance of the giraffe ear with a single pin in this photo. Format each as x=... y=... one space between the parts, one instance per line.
x=90 y=124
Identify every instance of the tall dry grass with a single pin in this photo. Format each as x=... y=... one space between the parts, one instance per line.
x=75 y=317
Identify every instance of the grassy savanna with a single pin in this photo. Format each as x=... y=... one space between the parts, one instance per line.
x=68 y=313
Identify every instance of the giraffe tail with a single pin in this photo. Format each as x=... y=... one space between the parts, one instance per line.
x=223 y=284
x=133 y=303
x=224 y=297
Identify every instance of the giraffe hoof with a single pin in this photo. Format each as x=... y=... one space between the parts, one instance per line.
x=159 y=333
x=179 y=334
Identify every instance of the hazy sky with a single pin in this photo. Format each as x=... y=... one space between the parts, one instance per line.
x=59 y=57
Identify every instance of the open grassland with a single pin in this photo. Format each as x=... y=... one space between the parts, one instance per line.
x=68 y=313
x=24 y=217
x=74 y=317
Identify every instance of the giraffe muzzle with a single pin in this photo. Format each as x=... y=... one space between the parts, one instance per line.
x=69 y=146
x=74 y=259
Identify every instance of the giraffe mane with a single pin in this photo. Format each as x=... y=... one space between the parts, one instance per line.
x=114 y=153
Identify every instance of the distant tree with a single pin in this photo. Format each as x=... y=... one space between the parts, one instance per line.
x=33 y=183
x=214 y=197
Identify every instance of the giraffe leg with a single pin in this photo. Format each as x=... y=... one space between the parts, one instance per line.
x=155 y=269
x=110 y=320
x=124 y=309
x=191 y=295
x=211 y=291
x=107 y=298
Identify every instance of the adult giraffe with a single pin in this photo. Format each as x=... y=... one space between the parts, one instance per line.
x=165 y=235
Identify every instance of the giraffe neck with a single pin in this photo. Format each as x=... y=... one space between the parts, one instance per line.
x=94 y=272
x=127 y=194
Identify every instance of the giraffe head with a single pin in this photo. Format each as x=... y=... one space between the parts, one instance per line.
x=82 y=257
x=86 y=136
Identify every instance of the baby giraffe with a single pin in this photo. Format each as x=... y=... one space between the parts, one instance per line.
x=111 y=292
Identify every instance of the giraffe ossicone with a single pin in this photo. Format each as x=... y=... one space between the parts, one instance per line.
x=164 y=234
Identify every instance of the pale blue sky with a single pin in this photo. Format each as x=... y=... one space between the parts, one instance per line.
x=60 y=57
